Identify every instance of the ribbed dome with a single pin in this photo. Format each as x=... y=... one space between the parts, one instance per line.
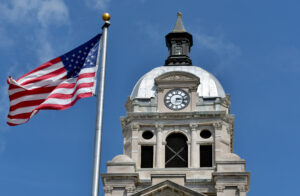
x=209 y=86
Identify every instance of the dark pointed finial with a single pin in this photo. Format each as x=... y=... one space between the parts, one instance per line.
x=179 y=43
x=179 y=24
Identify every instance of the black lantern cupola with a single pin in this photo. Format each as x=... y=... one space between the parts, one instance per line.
x=179 y=43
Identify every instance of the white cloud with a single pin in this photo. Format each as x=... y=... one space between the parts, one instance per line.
x=45 y=52
x=53 y=12
x=214 y=46
x=150 y=30
x=98 y=4
x=223 y=51
x=218 y=44
x=33 y=13
x=5 y=40
x=37 y=15
x=18 y=10
x=44 y=12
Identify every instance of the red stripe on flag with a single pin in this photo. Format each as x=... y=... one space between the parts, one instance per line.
x=43 y=66
x=49 y=107
x=86 y=75
x=25 y=116
x=62 y=107
x=20 y=116
x=68 y=96
x=43 y=90
x=44 y=77
x=47 y=84
x=12 y=124
x=12 y=86
x=32 y=92
x=26 y=104
x=54 y=95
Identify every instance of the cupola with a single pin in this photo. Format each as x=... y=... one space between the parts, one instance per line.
x=179 y=43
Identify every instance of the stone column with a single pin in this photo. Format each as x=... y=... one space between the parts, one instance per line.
x=134 y=144
x=194 y=147
x=160 y=151
x=218 y=104
x=130 y=189
x=242 y=190
x=107 y=190
x=219 y=146
x=220 y=190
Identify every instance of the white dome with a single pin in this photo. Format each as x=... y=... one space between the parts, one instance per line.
x=209 y=86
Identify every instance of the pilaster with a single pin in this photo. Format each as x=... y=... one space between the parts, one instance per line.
x=195 y=163
x=130 y=189
x=218 y=125
x=107 y=190
x=242 y=190
x=231 y=183
x=220 y=190
x=160 y=148
x=134 y=142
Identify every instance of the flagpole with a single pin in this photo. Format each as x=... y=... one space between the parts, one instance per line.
x=100 y=99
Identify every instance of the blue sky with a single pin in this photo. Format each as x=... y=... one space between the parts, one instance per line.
x=252 y=47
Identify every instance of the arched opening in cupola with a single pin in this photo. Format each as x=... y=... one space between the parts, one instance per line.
x=176 y=152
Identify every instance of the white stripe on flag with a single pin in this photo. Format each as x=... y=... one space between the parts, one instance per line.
x=46 y=82
x=59 y=90
x=41 y=72
x=66 y=101
x=29 y=98
x=22 y=110
x=16 y=90
x=17 y=121
x=88 y=70
x=71 y=90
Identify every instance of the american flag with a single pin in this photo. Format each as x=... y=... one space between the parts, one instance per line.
x=56 y=84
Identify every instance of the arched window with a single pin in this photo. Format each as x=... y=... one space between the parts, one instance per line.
x=176 y=151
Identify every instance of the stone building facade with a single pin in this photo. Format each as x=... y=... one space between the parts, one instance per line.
x=178 y=133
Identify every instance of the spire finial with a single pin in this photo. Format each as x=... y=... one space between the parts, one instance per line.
x=179 y=43
x=179 y=24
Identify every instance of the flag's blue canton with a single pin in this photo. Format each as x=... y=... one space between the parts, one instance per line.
x=82 y=56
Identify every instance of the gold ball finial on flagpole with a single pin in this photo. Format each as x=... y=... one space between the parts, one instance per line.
x=106 y=16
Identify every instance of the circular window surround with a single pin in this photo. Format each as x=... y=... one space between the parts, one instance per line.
x=147 y=134
x=205 y=134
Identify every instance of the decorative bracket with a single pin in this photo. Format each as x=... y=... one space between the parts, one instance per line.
x=218 y=125
x=219 y=188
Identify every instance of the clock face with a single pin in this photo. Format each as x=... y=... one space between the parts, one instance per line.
x=176 y=99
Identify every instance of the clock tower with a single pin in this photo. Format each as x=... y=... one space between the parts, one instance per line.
x=178 y=133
